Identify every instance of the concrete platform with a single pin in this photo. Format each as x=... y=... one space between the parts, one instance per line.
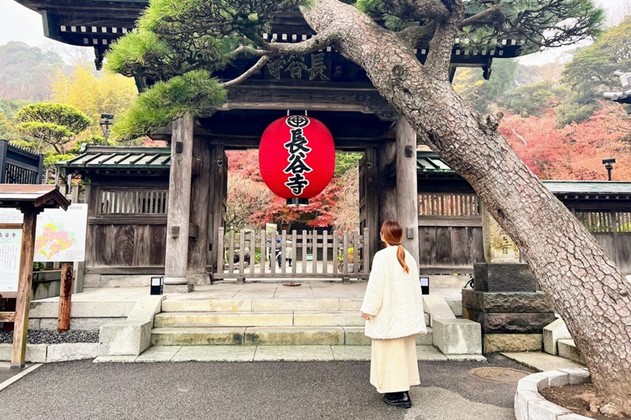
x=267 y=353
x=542 y=361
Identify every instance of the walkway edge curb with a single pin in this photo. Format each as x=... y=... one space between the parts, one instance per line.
x=531 y=405
x=19 y=376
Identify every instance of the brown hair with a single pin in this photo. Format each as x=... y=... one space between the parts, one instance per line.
x=392 y=233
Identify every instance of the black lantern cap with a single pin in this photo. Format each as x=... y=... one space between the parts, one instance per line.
x=296 y=201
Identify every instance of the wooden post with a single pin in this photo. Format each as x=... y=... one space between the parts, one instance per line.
x=200 y=190
x=371 y=192
x=23 y=303
x=65 y=296
x=178 y=218
x=387 y=185
x=217 y=201
x=407 y=193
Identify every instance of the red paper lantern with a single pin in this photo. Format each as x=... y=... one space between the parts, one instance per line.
x=297 y=158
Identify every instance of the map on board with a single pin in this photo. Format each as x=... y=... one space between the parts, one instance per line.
x=60 y=234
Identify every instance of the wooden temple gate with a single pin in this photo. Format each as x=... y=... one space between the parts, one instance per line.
x=324 y=84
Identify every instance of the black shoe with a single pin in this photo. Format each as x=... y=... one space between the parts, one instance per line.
x=398 y=399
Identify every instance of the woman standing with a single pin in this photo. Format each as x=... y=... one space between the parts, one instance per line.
x=393 y=310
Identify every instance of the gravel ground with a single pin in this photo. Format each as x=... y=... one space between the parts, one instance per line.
x=53 y=337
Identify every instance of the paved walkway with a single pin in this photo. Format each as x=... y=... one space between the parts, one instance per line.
x=265 y=390
x=313 y=289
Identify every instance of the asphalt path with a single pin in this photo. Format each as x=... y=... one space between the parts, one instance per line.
x=261 y=390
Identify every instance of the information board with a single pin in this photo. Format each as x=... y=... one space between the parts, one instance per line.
x=60 y=234
x=10 y=250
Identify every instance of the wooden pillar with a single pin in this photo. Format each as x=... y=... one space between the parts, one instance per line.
x=217 y=199
x=200 y=190
x=387 y=184
x=407 y=193
x=23 y=302
x=178 y=217
x=369 y=199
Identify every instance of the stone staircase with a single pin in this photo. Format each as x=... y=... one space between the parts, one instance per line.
x=263 y=322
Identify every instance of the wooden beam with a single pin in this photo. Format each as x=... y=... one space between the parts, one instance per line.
x=7 y=316
x=23 y=303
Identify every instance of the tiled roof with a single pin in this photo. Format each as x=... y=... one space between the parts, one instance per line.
x=429 y=162
x=109 y=157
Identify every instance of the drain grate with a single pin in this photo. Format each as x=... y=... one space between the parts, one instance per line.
x=499 y=374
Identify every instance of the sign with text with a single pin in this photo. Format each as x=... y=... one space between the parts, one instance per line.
x=10 y=250
x=60 y=234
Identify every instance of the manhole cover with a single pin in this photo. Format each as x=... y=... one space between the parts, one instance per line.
x=499 y=374
x=291 y=284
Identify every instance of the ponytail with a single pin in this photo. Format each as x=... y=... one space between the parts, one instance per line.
x=401 y=258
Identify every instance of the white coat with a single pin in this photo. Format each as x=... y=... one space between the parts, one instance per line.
x=393 y=298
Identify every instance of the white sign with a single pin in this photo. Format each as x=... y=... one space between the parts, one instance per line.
x=10 y=250
x=60 y=234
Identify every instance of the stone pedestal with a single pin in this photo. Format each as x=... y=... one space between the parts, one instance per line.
x=508 y=306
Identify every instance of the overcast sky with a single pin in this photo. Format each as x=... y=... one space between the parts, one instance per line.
x=17 y=23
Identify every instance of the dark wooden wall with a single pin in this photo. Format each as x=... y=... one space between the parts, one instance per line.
x=126 y=227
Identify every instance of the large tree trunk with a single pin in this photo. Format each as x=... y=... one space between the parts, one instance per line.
x=583 y=283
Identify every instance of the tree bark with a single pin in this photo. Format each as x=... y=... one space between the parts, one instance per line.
x=583 y=283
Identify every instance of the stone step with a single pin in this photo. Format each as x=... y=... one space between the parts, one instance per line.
x=567 y=349
x=260 y=319
x=267 y=336
x=260 y=305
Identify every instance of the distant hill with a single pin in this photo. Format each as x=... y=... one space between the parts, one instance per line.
x=27 y=72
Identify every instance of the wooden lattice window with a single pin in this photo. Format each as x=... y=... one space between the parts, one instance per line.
x=153 y=202
x=14 y=174
x=623 y=222
x=448 y=204
x=596 y=221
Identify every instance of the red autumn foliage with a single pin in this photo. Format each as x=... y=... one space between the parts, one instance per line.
x=576 y=151
x=320 y=213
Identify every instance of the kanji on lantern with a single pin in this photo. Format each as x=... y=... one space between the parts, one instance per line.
x=297 y=157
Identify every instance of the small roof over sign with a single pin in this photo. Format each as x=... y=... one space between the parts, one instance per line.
x=35 y=196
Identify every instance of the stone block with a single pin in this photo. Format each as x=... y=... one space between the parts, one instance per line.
x=71 y=351
x=457 y=336
x=503 y=278
x=568 y=350
x=558 y=378
x=197 y=336
x=225 y=319
x=545 y=410
x=506 y=301
x=577 y=376
x=522 y=400
x=437 y=308
x=124 y=338
x=178 y=288
x=85 y=324
x=552 y=333
x=354 y=336
x=266 y=336
x=35 y=353
x=276 y=305
x=517 y=323
x=511 y=342
x=343 y=318
x=132 y=336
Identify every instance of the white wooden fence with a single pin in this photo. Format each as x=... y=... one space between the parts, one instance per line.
x=302 y=255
